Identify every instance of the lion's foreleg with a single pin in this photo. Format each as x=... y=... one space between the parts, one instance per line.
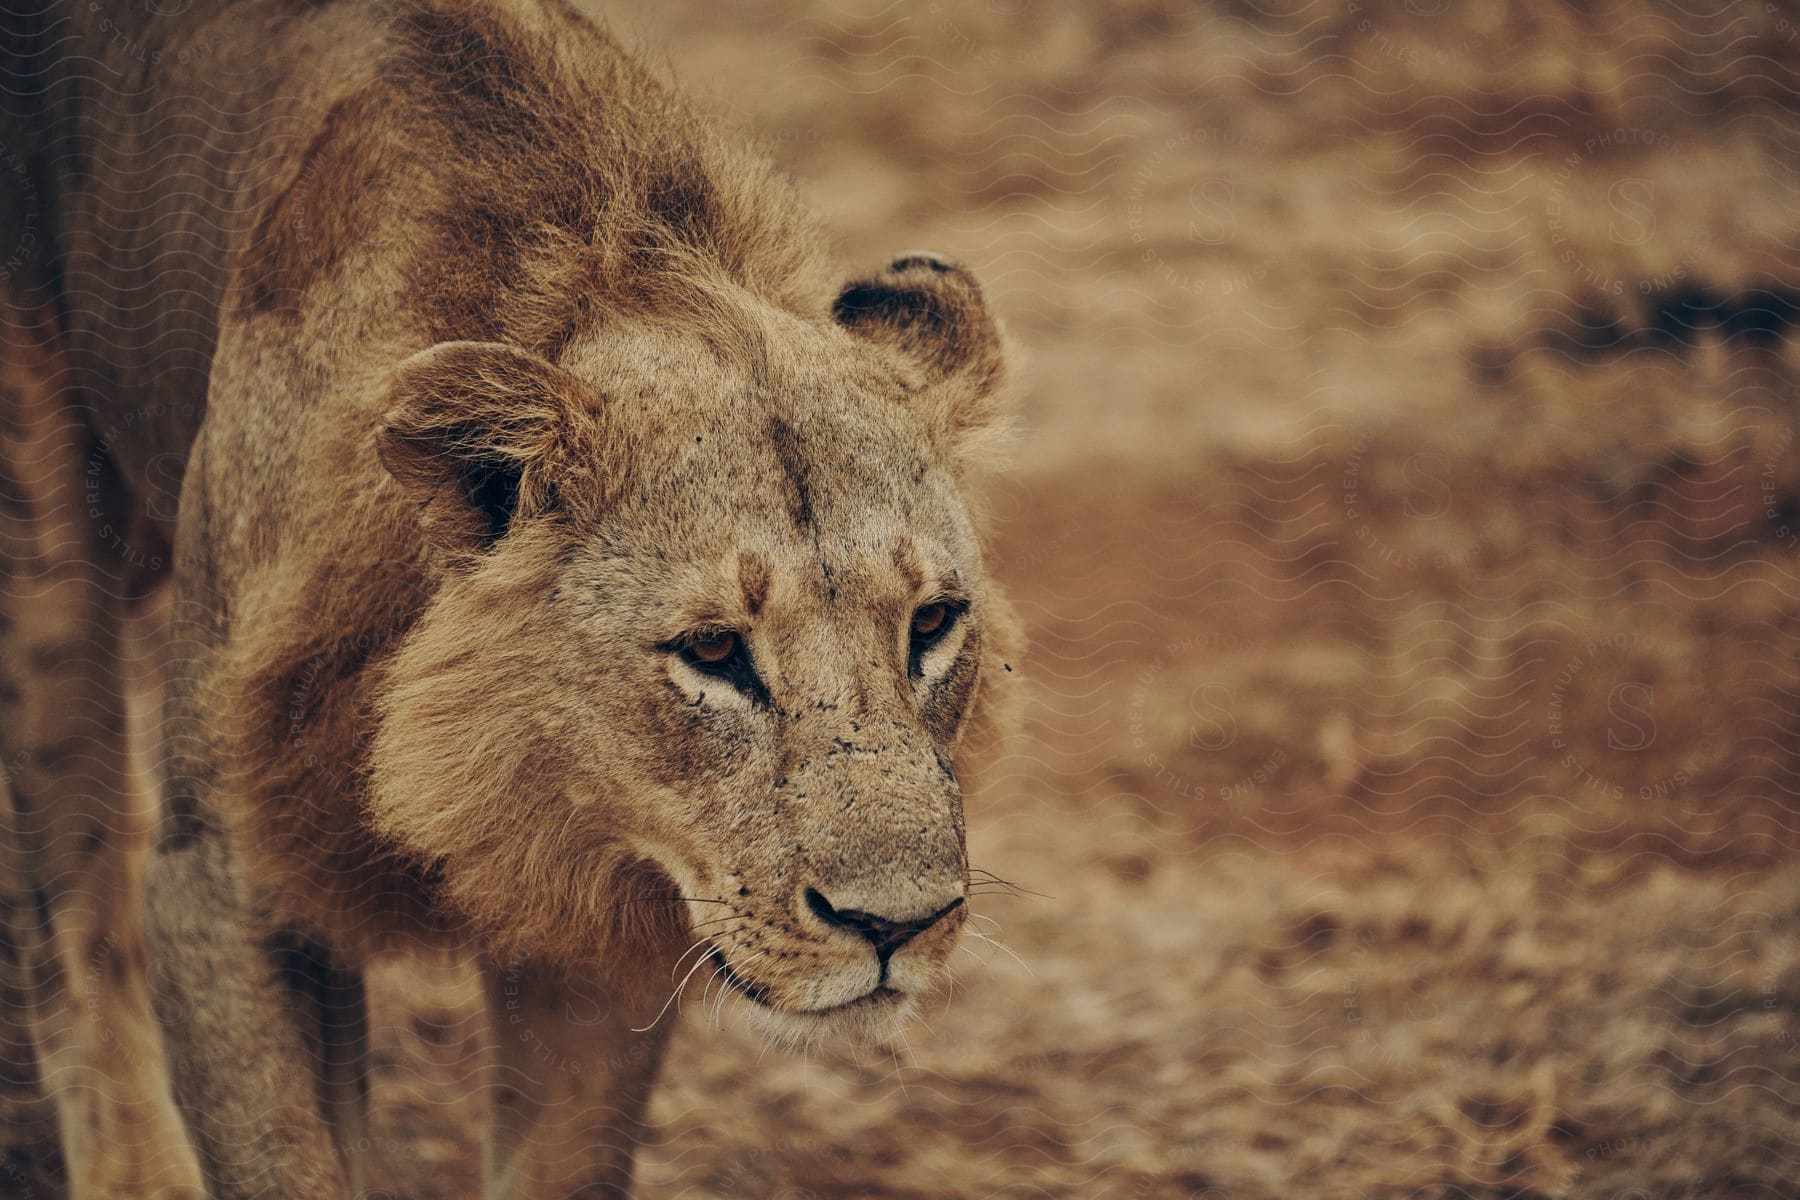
x=247 y=1052
x=81 y=823
x=572 y=1080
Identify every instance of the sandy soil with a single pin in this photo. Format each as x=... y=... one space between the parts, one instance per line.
x=1407 y=517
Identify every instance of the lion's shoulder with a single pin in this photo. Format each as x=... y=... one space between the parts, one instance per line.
x=520 y=176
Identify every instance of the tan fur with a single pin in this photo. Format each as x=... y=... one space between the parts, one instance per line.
x=524 y=379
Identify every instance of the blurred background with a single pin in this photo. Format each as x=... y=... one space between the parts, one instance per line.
x=1406 y=516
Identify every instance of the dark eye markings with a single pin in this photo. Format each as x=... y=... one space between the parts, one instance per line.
x=724 y=655
x=931 y=623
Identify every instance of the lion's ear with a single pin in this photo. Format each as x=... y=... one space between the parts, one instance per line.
x=932 y=312
x=482 y=435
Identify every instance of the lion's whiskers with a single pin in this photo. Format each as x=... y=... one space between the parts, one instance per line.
x=1002 y=946
x=900 y=1067
x=666 y=900
x=672 y=995
x=989 y=879
x=992 y=941
x=952 y=982
x=718 y=1008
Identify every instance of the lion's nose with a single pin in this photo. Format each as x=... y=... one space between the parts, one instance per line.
x=886 y=934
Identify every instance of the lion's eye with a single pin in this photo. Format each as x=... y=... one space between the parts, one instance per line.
x=930 y=622
x=724 y=656
x=714 y=650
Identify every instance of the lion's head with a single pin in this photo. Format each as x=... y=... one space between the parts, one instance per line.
x=711 y=600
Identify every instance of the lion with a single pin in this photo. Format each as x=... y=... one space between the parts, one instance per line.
x=560 y=563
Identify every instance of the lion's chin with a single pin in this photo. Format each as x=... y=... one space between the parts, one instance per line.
x=872 y=1018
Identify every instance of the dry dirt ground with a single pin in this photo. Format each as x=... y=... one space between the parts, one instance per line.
x=1407 y=518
